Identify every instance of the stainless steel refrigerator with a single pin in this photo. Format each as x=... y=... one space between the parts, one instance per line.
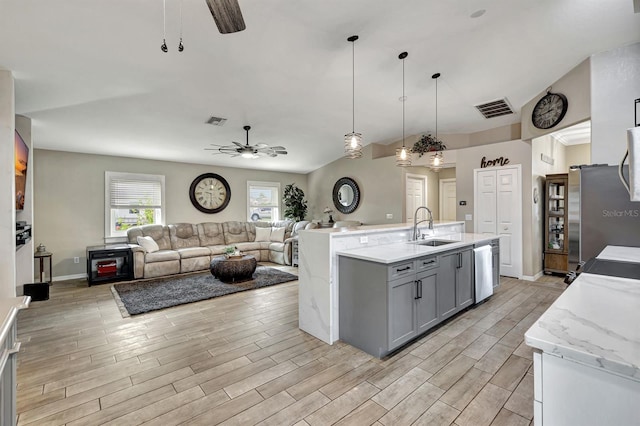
x=600 y=213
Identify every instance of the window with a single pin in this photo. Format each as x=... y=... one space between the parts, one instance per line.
x=263 y=201
x=132 y=199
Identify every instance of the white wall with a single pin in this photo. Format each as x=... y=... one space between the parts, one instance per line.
x=615 y=83
x=577 y=154
x=7 y=189
x=69 y=198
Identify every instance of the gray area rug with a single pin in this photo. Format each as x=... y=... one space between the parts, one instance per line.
x=144 y=296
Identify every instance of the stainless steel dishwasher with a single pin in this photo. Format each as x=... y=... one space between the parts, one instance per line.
x=486 y=268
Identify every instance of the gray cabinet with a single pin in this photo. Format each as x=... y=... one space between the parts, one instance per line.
x=402 y=311
x=464 y=279
x=426 y=302
x=382 y=306
x=495 y=262
x=447 y=284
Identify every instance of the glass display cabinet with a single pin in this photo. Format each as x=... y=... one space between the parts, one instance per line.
x=556 y=250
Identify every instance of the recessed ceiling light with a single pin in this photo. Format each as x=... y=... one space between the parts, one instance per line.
x=478 y=13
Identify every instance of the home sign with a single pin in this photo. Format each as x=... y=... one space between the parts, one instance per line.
x=500 y=161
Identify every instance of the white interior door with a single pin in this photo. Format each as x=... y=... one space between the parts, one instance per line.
x=509 y=220
x=498 y=210
x=416 y=195
x=447 y=199
x=485 y=202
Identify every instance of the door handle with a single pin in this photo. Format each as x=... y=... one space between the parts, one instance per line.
x=420 y=287
x=417 y=296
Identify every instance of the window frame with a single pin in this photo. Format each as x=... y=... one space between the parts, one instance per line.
x=276 y=185
x=109 y=176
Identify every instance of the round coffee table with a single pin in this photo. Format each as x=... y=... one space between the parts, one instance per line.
x=233 y=270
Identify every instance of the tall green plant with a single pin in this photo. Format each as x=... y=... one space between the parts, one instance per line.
x=295 y=204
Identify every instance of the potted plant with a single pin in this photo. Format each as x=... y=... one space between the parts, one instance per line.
x=294 y=202
x=428 y=143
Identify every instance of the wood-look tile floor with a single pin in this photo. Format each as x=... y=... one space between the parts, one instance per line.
x=241 y=360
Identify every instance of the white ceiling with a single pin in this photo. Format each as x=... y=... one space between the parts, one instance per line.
x=92 y=76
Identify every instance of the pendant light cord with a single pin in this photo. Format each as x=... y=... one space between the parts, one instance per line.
x=436 y=109
x=404 y=99
x=353 y=86
x=164 y=19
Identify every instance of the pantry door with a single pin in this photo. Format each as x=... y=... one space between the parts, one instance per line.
x=498 y=210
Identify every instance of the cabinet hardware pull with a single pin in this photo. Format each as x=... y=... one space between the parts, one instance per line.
x=420 y=292
x=403 y=269
x=429 y=262
x=417 y=291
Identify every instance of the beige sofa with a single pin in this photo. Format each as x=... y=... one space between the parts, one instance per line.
x=187 y=247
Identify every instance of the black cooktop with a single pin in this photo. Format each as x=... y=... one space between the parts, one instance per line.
x=612 y=268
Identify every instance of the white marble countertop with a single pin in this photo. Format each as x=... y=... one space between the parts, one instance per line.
x=367 y=229
x=9 y=308
x=398 y=252
x=596 y=322
x=620 y=253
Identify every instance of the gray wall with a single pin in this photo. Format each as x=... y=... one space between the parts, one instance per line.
x=381 y=186
x=615 y=83
x=69 y=198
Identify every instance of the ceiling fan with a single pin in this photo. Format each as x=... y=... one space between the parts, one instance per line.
x=227 y=15
x=249 y=151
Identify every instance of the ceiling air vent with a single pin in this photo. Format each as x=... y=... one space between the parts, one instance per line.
x=495 y=108
x=217 y=121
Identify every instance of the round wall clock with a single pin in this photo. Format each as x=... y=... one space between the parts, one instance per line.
x=210 y=193
x=549 y=110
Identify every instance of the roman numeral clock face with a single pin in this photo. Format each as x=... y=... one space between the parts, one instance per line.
x=549 y=110
x=210 y=193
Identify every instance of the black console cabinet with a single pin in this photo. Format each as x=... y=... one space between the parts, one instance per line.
x=119 y=253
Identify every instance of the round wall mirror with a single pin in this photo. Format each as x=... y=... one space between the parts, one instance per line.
x=346 y=195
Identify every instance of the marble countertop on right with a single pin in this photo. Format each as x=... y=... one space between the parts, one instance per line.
x=596 y=321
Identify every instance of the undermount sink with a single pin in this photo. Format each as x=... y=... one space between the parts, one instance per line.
x=434 y=243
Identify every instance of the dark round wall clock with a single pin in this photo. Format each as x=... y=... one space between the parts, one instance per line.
x=549 y=110
x=210 y=193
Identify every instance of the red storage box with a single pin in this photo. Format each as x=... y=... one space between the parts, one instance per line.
x=107 y=268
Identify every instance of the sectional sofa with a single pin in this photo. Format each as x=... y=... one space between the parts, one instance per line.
x=187 y=247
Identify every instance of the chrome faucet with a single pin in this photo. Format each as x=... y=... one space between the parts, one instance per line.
x=416 y=222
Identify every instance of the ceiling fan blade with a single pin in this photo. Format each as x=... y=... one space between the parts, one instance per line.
x=278 y=147
x=282 y=152
x=238 y=143
x=227 y=15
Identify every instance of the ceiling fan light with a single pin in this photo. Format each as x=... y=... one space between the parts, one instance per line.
x=353 y=145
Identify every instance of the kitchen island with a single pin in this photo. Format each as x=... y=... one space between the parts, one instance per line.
x=392 y=294
x=587 y=350
x=318 y=282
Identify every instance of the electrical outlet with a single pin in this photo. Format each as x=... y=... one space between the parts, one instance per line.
x=364 y=240
x=389 y=215
x=76 y=260
x=468 y=217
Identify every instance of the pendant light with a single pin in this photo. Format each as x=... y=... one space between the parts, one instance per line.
x=403 y=155
x=436 y=158
x=353 y=140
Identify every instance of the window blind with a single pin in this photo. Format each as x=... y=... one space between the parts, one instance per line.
x=135 y=193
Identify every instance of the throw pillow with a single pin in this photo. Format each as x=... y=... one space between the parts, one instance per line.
x=148 y=244
x=263 y=234
x=277 y=235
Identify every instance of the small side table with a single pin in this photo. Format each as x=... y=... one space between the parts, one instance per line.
x=42 y=255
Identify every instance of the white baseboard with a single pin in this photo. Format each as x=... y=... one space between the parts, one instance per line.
x=69 y=277
x=532 y=278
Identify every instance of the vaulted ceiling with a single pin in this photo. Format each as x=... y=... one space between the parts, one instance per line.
x=92 y=76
